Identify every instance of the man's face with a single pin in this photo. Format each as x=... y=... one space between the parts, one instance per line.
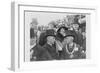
x=75 y=26
x=69 y=39
x=51 y=39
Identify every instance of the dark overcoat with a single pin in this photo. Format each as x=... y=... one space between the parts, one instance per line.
x=51 y=50
x=40 y=54
x=78 y=37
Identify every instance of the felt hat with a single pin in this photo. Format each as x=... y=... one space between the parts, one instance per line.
x=70 y=33
x=50 y=32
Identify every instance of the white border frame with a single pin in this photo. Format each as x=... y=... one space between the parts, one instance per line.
x=17 y=62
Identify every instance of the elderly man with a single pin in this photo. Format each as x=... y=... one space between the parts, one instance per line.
x=50 y=44
x=48 y=50
x=71 y=50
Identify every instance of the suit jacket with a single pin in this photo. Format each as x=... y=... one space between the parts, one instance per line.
x=78 y=37
x=40 y=54
x=51 y=50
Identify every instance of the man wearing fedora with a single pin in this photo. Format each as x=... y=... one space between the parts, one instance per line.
x=50 y=44
x=46 y=51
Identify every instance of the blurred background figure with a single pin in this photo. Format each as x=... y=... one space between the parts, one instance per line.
x=33 y=31
x=33 y=35
x=52 y=25
x=84 y=41
x=78 y=35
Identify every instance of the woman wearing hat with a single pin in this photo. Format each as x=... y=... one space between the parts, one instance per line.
x=61 y=33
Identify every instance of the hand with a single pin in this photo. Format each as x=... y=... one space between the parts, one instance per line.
x=71 y=56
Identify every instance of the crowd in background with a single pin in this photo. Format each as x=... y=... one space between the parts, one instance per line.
x=61 y=39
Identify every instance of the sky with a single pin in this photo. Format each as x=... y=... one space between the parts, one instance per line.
x=43 y=18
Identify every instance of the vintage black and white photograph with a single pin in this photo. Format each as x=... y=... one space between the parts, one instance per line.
x=52 y=36
x=56 y=35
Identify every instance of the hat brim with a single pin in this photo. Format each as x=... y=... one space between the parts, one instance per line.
x=50 y=35
x=69 y=36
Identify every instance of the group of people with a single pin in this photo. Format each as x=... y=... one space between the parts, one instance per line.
x=61 y=44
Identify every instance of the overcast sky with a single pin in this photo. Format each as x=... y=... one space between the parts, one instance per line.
x=43 y=18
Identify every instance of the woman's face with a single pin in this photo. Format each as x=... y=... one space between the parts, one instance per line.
x=75 y=26
x=62 y=31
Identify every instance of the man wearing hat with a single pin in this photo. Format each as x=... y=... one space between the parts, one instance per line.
x=78 y=35
x=40 y=54
x=71 y=50
x=50 y=44
x=45 y=51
